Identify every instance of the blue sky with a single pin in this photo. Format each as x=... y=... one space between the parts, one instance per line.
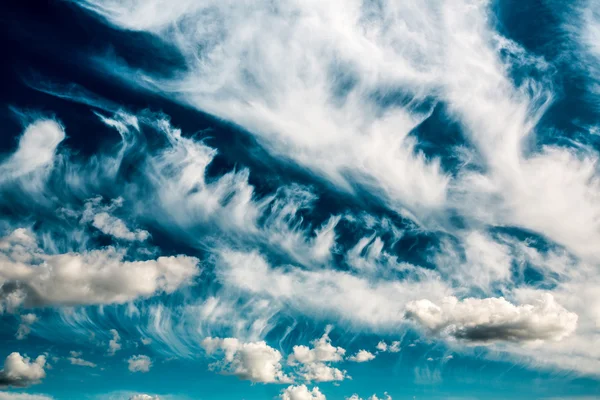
x=299 y=200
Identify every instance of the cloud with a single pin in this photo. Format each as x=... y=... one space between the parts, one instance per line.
x=23 y=396
x=301 y=392
x=31 y=277
x=25 y=326
x=254 y=361
x=362 y=356
x=321 y=372
x=144 y=397
x=139 y=363
x=376 y=303
x=314 y=361
x=36 y=150
x=108 y=224
x=372 y=397
x=21 y=371
x=322 y=351
x=75 y=359
x=394 y=347
x=114 y=344
x=494 y=319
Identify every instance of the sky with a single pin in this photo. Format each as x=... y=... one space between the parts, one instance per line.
x=299 y=199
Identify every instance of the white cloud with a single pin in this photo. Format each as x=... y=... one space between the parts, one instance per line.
x=139 y=363
x=314 y=360
x=321 y=372
x=25 y=326
x=372 y=397
x=21 y=371
x=99 y=216
x=394 y=347
x=322 y=351
x=254 y=361
x=32 y=277
x=362 y=356
x=495 y=319
x=23 y=396
x=36 y=151
x=301 y=392
x=75 y=359
x=114 y=344
x=144 y=397
x=361 y=301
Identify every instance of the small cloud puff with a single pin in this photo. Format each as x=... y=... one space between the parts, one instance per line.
x=372 y=397
x=139 y=363
x=102 y=219
x=25 y=326
x=75 y=359
x=301 y=392
x=114 y=344
x=394 y=347
x=253 y=361
x=362 y=356
x=314 y=360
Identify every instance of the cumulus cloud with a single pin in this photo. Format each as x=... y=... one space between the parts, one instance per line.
x=139 y=363
x=75 y=359
x=322 y=351
x=31 y=277
x=362 y=356
x=494 y=319
x=393 y=347
x=314 y=360
x=372 y=397
x=25 y=326
x=321 y=372
x=301 y=392
x=21 y=371
x=114 y=344
x=254 y=361
x=99 y=216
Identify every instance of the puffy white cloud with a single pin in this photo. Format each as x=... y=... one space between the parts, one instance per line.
x=301 y=392
x=139 y=363
x=254 y=361
x=20 y=371
x=362 y=356
x=102 y=219
x=322 y=351
x=314 y=360
x=321 y=372
x=114 y=344
x=495 y=319
x=75 y=359
x=31 y=277
x=25 y=326
x=394 y=347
